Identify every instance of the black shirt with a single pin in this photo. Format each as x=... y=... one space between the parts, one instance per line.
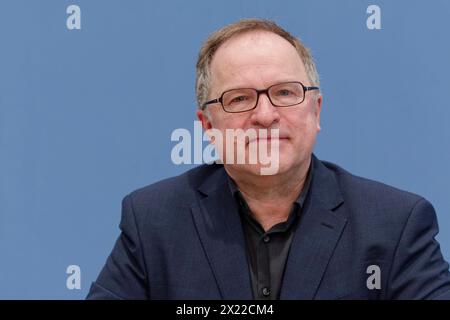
x=267 y=252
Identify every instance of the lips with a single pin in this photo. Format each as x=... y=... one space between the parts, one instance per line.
x=257 y=139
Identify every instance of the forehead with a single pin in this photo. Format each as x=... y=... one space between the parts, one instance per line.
x=257 y=59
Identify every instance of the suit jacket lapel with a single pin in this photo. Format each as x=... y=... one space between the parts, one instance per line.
x=220 y=230
x=316 y=237
x=218 y=223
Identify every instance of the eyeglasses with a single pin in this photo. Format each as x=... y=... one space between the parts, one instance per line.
x=286 y=94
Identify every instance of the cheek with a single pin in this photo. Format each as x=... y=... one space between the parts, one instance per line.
x=301 y=122
x=303 y=128
x=228 y=121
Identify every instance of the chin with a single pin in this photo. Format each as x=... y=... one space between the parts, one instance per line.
x=272 y=169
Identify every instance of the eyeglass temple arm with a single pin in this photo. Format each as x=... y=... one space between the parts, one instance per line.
x=210 y=102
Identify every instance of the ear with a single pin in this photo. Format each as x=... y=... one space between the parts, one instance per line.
x=203 y=117
x=318 y=109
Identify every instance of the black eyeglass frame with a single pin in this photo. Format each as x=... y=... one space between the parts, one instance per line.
x=258 y=93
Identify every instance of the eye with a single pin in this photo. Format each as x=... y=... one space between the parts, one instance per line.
x=284 y=92
x=239 y=99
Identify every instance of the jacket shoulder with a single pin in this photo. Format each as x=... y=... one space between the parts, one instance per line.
x=373 y=196
x=378 y=213
x=178 y=190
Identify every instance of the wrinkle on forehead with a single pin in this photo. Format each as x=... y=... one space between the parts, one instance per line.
x=256 y=58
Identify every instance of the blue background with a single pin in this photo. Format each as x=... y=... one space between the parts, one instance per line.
x=86 y=115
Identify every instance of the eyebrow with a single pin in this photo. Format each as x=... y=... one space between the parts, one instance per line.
x=252 y=87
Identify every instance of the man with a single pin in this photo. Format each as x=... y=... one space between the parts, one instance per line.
x=311 y=230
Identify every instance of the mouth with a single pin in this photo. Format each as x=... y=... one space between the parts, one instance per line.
x=268 y=139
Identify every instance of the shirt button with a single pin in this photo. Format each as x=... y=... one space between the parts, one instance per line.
x=266 y=292
x=266 y=239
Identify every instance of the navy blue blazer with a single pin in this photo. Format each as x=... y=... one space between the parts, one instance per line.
x=182 y=238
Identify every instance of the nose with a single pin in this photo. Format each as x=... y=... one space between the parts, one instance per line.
x=265 y=114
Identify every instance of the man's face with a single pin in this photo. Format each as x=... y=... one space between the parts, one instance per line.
x=258 y=60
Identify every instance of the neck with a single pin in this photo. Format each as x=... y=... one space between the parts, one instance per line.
x=270 y=198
